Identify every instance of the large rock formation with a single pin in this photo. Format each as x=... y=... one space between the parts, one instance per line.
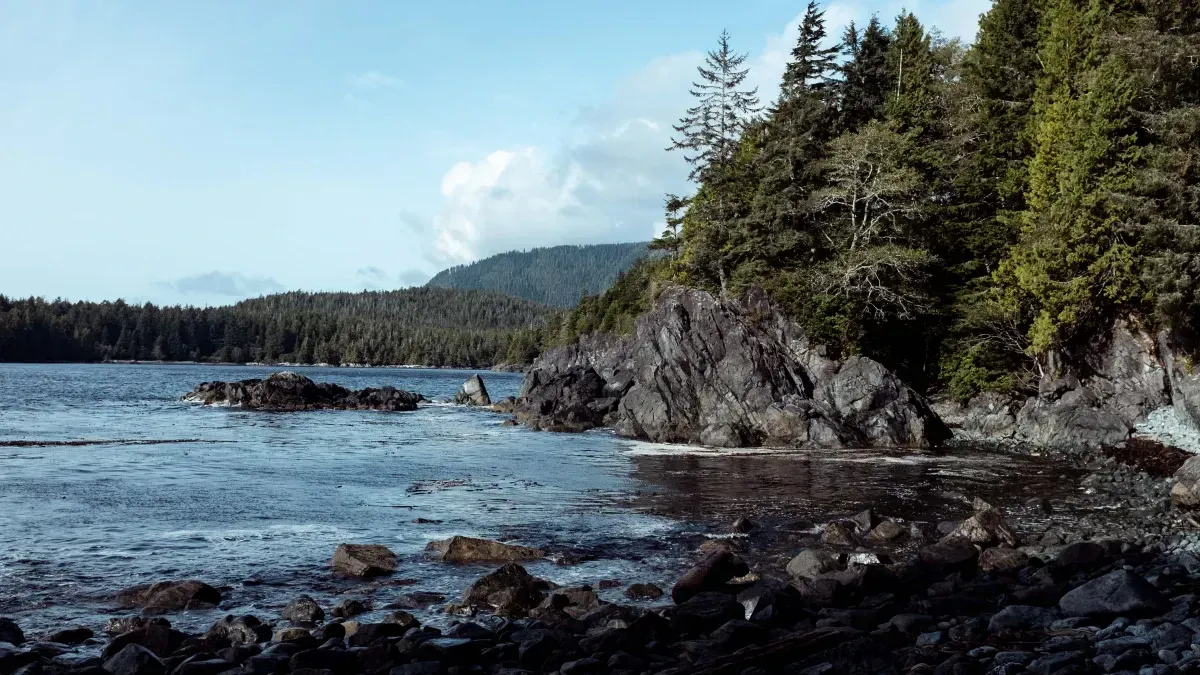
x=292 y=391
x=724 y=374
x=473 y=392
x=1118 y=382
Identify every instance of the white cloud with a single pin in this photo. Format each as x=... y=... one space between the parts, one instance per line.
x=229 y=284
x=607 y=182
x=373 y=79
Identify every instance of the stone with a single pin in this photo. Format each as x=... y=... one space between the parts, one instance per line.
x=510 y=590
x=169 y=596
x=135 y=660
x=473 y=550
x=162 y=640
x=368 y=633
x=286 y=391
x=363 y=560
x=812 y=563
x=1119 y=593
x=1015 y=618
x=571 y=400
x=1002 y=560
x=710 y=573
x=303 y=610
x=987 y=527
x=887 y=530
x=1186 y=488
x=951 y=553
x=705 y=612
x=1081 y=554
x=838 y=534
x=643 y=592
x=349 y=607
x=124 y=624
x=403 y=619
x=10 y=632
x=71 y=636
x=240 y=630
x=473 y=392
x=1183 y=377
x=292 y=634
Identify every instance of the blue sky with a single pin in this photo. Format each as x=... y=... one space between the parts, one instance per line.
x=201 y=152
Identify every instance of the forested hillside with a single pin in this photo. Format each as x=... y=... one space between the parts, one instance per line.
x=975 y=218
x=559 y=275
x=427 y=326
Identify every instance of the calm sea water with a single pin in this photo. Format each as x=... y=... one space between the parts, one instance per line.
x=255 y=502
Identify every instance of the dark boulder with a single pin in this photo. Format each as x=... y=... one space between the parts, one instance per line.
x=1119 y=593
x=363 y=560
x=291 y=391
x=709 y=574
x=473 y=392
x=10 y=632
x=240 y=630
x=473 y=550
x=509 y=590
x=573 y=400
x=71 y=636
x=135 y=659
x=643 y=592
x=303 y=609
x=170 y=595
x=704 y=613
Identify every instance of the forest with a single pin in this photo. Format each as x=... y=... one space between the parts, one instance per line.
x=973 y=217
x=558 y=275
x=425 y=326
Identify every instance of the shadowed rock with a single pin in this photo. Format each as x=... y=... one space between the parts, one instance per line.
x=291 y=391
x=471 y=549
x=169 y=595
x=363 y=560
x=473 y=392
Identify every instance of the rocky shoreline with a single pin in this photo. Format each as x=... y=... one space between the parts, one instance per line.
x=1001 y=590
x=289 y=391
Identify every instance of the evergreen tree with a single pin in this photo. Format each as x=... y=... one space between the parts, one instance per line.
x=910 y=68
x=811 y=62
x=865 y=82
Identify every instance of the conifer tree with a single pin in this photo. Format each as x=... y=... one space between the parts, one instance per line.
x=910 y=70
x=865 y=82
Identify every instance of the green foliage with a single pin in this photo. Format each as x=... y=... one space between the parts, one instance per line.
x=615 y=310
x=558 y=275
x=427 y=326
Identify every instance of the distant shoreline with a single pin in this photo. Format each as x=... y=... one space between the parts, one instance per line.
x=500 y=367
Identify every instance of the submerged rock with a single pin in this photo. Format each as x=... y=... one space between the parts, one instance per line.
x=169 y=595
x=363 y=560
x=471 y=549
x=714 y=571
x=292 y=391
x=473 y=392
x=724 y=374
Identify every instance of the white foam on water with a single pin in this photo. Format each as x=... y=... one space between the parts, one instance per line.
x=272 y=532
x=647 y=448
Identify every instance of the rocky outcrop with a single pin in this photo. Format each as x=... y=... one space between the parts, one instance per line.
x=170 y=596
x=363 y=560
x=473 y=392
x=1118 y=382
x=1183 y=377
x=291 y=391
x=724 y=374
x=472 y=550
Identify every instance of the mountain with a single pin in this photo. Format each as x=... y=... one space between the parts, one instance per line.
x=426 y=326
x=558 y=275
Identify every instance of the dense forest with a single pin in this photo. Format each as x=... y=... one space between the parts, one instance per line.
x=427 y=326
x=973 y=217
x=559 y=275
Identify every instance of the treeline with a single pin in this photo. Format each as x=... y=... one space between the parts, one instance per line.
x=426 y=326
x=972 y=217
x=558 y=275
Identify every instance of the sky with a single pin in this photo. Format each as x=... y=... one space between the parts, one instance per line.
x=203 y=152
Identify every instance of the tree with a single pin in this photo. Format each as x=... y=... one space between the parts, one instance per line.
x=811 y=62
x=865 y=83
x=670 y=240
x=910 y=67
x=871 y=196
x=709 y=136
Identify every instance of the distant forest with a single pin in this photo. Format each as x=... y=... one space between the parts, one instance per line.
x=426 y=326
x=560 y=276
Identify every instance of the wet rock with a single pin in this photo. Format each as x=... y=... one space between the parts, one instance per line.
x=123 y=624
x=838 y=534
x=10 y=632
x=1119 y=593
x=911 y=624
x=987 y=527
x=291 y=391
x=71 y=636
x=1015 y=618
x=368 y=633
x=303 y=609
x=350 y=607
x=510 y=590
x=705 y=612
x=161 y=640
x=403 y=619
x=888 y=530
x=950 y=554
x=135 y=660
x=473 y=392
x=196 y=666
x=738 y=633
x=363 y=560
x=471 y=550
x=1002 y=560
x=417 y=600
x=292 y=634
x=1081 y=554
x=170 y=596
x=643 y=592
x=571 y=400
x=709 y=574
x=240 y=630
x=812 y=563
x=744 y=525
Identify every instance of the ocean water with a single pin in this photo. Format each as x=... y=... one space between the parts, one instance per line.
x=255 y=502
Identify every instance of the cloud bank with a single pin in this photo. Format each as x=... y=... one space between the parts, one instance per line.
x=228 y=284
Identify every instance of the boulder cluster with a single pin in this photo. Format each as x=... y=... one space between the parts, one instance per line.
x=288 y=391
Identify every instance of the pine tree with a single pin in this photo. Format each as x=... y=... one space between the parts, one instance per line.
x=910 y=70
x=709 y=135
x=670 y=240
x=811 y=62
x=865 y=82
